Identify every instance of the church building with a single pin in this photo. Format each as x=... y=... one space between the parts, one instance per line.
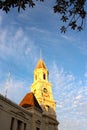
x=36 y=111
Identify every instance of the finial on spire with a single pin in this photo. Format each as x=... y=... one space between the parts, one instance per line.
x=40 y=54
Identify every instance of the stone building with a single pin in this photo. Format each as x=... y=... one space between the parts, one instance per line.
x=36 y=111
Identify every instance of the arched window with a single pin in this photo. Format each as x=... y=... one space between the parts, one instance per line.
x=35 y=77
x=44 y=76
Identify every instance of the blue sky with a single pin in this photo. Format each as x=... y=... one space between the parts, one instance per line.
x=22 y=35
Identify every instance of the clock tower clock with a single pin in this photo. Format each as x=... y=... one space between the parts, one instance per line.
x=42 y=89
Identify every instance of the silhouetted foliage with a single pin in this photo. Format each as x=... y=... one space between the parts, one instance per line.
x=72 y=12
x=6 y=5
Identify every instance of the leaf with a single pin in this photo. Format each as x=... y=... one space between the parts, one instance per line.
x=79 y=28
x=63 y=29
x=73 y=25
x=6 y=9
x=0 y=4
x=18 y=8
x=64 y=18
x=82 y=13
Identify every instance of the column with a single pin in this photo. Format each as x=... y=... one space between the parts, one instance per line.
x=14 y=125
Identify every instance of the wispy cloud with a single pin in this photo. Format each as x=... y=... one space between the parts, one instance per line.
x=17 y=53
x=19 y=49
x=68 y=38
x=82 y=46
x=14 y=89
x=16 y=46
x=38 y=30
x=72 y=39
x=0 y=20
x=71 y=97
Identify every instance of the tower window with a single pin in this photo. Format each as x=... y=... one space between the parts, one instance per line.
x=44 y=76
x=35 y=77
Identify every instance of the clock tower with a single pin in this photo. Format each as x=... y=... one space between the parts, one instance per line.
x=42 y=89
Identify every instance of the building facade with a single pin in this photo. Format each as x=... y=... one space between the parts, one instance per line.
x=36 y=111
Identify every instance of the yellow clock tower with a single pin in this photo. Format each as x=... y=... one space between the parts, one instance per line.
x=42 y=89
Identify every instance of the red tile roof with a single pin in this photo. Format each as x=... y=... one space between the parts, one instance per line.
x=30 y=101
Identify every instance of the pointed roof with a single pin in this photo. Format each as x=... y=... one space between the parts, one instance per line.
x=41 y=64
x=30 y=101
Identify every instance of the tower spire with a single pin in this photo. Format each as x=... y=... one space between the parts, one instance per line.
x=40 y=54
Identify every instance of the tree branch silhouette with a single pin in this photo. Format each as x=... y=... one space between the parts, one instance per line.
x=72 y=12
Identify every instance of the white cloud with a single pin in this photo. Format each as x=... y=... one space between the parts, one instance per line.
x=61 y=78
x=59 y=105
x=75 y=103
x=15 y=90
x=70 y=124
x=16 y=45
x=38 y=30
x=80 y=45
x=19 y=34
x=1 y=20
x=27 y=51
x=69 y=38
x=79 y=97
x=71 y=97
x=85 y=75
x=3 y=34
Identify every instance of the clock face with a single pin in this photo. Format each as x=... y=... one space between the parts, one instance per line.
x=45 y=93
x=45 y=90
